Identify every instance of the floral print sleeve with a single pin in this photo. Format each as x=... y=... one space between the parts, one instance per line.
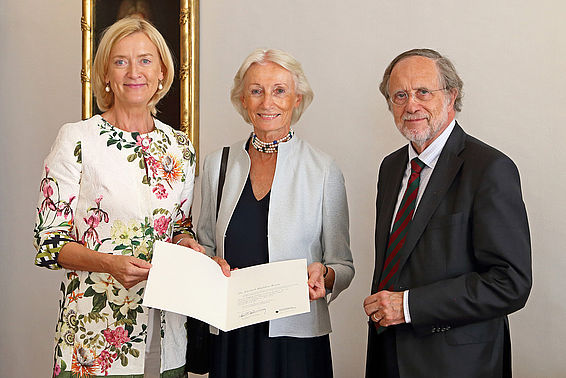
x=59 y=188
x=183 y=217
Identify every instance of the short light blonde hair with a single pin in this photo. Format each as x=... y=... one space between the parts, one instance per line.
x=119 y=30
x=283 y=59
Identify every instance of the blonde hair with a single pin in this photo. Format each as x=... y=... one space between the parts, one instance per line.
x=119 y=30
x=283 y=59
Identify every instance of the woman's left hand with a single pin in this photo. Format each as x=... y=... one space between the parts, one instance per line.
x=187 y=241
x=316 y=280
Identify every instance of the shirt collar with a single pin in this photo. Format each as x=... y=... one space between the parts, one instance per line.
x=431 y=154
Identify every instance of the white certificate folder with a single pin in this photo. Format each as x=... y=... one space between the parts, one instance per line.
x=190 y=283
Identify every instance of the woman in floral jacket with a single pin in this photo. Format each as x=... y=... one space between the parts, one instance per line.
x=112 y=186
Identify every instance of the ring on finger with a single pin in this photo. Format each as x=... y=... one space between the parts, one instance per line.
x=375 y=318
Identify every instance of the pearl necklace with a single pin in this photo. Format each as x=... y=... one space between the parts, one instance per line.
x=270 y=147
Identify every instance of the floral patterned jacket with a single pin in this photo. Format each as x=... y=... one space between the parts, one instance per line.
x=114 y=192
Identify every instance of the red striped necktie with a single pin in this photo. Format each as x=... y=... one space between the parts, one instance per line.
x=400 y=227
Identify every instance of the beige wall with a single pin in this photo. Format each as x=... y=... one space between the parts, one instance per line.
x=511 y=55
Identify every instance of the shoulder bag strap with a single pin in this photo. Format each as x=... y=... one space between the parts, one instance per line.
x=222 y=177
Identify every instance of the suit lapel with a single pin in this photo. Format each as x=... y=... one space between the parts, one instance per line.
x=445 y=171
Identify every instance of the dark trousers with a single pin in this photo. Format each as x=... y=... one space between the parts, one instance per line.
x=381 y=360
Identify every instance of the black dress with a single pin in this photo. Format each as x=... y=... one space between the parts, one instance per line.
x=249 y=352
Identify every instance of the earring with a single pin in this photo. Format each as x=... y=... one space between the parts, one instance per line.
x=107 y=88
x=160 y=86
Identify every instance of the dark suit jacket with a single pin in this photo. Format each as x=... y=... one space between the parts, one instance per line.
x=466 y=261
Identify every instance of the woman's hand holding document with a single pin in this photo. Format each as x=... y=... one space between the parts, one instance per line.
x=191 y=283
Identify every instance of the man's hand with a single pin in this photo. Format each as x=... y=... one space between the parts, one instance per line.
x=385 y=308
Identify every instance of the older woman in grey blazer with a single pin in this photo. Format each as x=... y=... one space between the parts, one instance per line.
x=282 y=199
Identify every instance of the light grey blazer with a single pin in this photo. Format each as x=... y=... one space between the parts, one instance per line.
x=308 y=218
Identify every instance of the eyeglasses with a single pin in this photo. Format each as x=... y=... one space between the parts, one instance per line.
x=420 y=95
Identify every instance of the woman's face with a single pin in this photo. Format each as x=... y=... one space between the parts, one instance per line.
x=269 y=97
x=134 y=70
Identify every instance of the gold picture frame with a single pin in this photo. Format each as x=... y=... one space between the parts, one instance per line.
x=188 y=56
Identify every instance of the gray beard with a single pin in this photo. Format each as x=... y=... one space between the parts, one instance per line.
x=420 y=138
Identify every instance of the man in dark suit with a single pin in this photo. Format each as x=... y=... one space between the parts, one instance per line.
x=452 y=244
